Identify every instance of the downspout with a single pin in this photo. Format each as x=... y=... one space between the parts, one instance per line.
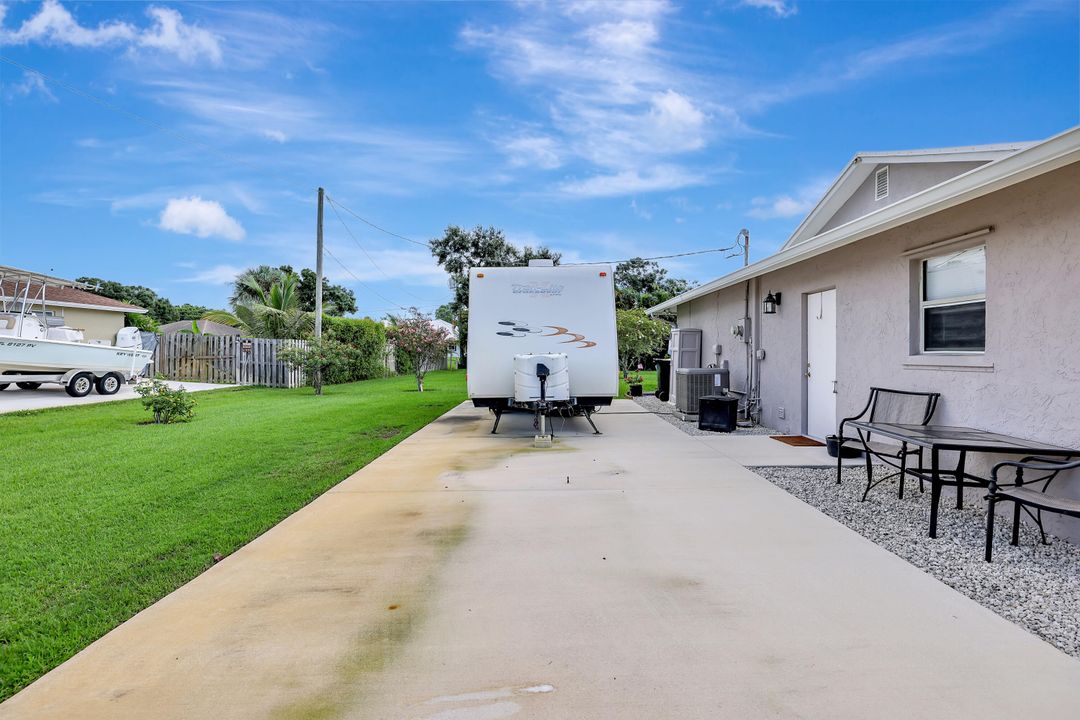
x=756 y=335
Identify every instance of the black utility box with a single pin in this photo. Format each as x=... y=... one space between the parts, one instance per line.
x=719 y=413
x=663 y=378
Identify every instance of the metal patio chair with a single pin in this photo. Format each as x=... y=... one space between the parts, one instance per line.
x=903 y=407
x=1023 y=497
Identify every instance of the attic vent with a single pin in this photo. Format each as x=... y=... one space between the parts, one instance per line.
x=881 y=183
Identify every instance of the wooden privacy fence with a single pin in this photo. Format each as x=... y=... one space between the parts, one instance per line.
x=225 y=359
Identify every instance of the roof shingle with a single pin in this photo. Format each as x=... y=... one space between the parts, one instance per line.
x=70 y=295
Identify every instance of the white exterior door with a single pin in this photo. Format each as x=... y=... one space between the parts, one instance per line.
x=821 y=364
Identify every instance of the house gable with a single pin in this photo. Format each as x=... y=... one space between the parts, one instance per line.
x=903 y=180
x=855 y=193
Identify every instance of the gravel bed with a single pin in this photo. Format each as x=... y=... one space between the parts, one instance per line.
x=665 y=410
x=1035 y=586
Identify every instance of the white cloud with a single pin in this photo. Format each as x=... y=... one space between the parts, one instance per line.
x=217 y=275
x=53 y=24
x=31 y=84
x=628 y=182
x=922 y=48
x=275 y=135
x=171 y=34
x=88 y=142
x=204 y=218
x=780 y=8
x=789 y=205
x=408 y=266
x=532 y=150
x=640 y=211
x=614 y=99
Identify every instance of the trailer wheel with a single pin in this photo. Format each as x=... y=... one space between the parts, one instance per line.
x=80 y=385
x=29 y=385
x=3 y=386
x=108 y=384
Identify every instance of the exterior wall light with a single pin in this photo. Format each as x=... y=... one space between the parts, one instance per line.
x=770 y=303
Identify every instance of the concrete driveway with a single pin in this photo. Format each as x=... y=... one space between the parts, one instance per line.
x=638 y=574
x=13 y=398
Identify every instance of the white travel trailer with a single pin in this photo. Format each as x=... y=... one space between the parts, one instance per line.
x=542 y=338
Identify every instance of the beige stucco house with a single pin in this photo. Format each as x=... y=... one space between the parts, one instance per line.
x=100 y=318
x=954 y=270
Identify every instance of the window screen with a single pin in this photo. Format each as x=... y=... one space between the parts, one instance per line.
x=953 y=304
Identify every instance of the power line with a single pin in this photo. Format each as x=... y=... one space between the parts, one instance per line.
x=380 y=229
x=333 y=206
x=358 y=280
x=656 y=257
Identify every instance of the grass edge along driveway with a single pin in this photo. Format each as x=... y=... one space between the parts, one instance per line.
x=101 y=516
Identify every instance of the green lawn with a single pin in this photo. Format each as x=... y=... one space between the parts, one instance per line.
x=100 y=515
x=648 y=384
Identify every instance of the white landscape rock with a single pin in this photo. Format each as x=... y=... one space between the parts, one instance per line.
x=1035 y=586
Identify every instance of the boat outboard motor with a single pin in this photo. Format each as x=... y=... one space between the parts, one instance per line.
x=129 y=337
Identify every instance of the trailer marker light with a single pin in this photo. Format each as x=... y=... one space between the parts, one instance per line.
x=479 y=275
x=603 y=274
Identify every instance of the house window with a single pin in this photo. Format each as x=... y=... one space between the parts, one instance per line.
x=881 y=183
x=953 y=302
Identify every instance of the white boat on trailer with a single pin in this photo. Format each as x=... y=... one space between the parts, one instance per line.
x=32 y=352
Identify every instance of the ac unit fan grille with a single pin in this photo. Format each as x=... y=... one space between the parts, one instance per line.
x=692 y=386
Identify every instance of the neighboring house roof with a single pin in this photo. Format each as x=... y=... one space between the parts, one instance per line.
x=1014 y=167
x=860 y=167
x=70 y=296
x=450 y=329
x=206 y=327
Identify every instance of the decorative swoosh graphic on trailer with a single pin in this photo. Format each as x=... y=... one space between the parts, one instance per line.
x=512 y=328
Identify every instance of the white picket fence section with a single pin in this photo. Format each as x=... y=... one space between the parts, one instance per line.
x=225 y=359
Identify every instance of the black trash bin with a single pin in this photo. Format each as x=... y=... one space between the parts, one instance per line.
x=663 y=378
x=719 y=413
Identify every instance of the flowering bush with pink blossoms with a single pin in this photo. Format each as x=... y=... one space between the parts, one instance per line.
x=421 y=341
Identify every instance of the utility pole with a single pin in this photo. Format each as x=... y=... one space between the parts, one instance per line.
x=318 y=268
x=745 y=246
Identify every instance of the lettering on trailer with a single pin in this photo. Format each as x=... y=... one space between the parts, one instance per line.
x=517 y=330
x=537 y=288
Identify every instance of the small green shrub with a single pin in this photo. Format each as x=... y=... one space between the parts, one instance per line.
x=167 y=404
x=319 y=359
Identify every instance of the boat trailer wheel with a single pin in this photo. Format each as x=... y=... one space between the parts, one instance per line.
x=108 y=384
x=80 y=385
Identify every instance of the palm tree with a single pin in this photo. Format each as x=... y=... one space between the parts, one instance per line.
x=273 y=313
x=262 y=275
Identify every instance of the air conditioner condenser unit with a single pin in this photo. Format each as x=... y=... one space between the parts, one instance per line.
x=694 y=383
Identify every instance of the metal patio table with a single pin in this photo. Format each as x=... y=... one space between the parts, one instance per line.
x=937 y=439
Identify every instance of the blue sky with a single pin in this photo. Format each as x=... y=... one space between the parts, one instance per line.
x=602 y=130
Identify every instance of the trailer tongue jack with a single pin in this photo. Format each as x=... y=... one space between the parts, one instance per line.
x=542 y=438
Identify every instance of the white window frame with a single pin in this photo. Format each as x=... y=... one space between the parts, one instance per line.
x=877 y=174
x=959 y=300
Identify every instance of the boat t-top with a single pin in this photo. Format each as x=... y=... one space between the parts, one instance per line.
x=34 y=351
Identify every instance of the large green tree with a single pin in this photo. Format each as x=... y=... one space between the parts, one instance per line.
x=641 y=338
x=338 y=300
x=459 y=250
x=158 y=308
x=641 y=283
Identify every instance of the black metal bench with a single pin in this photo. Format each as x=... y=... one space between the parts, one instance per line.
x=1025 y=498
x=905 y=407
